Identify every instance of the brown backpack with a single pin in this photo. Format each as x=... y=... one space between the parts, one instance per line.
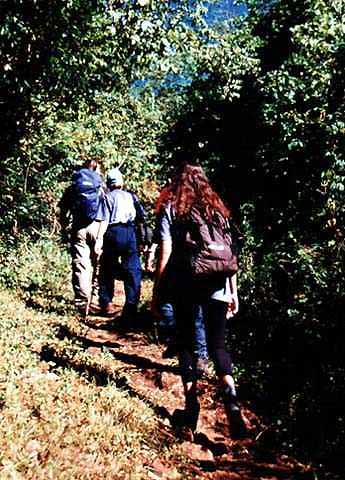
x=212 y=249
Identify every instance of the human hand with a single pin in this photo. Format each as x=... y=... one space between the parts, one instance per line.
x=98 y=247
x=150 y=261
x=149 y=258
x=232 y=306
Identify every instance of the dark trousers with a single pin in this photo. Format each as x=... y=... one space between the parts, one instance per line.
x=214 y=314
x=120 y=258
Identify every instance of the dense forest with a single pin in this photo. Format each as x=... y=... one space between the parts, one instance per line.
x=256 y=94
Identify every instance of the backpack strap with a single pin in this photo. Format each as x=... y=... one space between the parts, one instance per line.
x=144 y=233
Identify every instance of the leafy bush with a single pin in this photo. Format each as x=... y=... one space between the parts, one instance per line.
x=289 y=341
x=39 y=272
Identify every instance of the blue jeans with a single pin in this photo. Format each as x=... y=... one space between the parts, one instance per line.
x=167 y=322
x=120 y=243
x=167 y=326
x=214 y=312
x=200 y=346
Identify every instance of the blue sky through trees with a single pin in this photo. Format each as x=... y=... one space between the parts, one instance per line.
x=224 y=10
x=219 y=12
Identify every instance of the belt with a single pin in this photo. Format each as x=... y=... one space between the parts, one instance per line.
x=121 y=224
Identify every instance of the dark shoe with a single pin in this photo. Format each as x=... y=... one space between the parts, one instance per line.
x=179 y=424
x=129 y=311
x=171 y=351
x=201 y=367
x=237 y=424
x=82 y=310
x=185 y=421
x=109 y=310
x=166 y=336
x=129 y=317
x=192 y=410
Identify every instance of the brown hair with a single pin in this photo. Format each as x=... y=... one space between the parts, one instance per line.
x=190 y=188
x=163 y=198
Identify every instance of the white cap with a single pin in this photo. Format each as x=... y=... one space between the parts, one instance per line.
x=114 y=177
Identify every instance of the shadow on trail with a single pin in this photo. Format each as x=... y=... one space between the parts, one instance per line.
x=143 y=324
x=56 y=304
x=92 y=373
x=99 y=376
x=222 y=464
x=65 y=332
x=251 y=470
x=138 y=361
x=217 y=448
x=144 y=363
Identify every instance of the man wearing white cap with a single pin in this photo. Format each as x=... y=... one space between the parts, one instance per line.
x=120 y=210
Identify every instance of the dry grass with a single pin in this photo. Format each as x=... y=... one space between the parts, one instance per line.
x=55 y=422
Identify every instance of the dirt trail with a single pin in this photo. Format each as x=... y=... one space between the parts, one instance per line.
x=213 y=454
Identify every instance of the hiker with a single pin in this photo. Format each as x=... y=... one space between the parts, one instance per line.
x=80 y=203
x=191 y=208
x=124 y=217
x=166 y=319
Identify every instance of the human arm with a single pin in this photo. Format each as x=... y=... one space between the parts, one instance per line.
x=99 y=237
x=164 y=255
x=163 y=238
x=150 y=255
x=65 y=214
x=165 y=249
x=233 y=304
x=102 y=217
x=151 y=250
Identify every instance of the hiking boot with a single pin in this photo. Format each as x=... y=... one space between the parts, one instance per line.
x=81 y=309
x=166 y=336
x=237 y=424
x=201 y=367
x=185 y=421
x=129 y=317
x=171 y=351
x=109 y=310
x=180 y=425
x=129 y=311
x=192 y=410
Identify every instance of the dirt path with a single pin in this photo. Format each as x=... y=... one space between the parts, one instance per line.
x=212 y=452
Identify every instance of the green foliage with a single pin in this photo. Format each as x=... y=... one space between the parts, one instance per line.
x=259 y=102
x=85 y=78
x=304 y=110
x=39 y=271
x=293 y=270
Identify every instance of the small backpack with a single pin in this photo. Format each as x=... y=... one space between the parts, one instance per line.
x=213 y=252
x=86 y=187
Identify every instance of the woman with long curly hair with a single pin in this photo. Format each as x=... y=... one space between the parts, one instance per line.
x=190 y=191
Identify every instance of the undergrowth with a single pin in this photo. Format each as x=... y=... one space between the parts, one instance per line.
x=56 y=421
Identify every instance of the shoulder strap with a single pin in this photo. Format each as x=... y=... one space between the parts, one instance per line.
x=139 y=209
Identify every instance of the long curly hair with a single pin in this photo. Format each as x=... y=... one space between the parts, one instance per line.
x=190 y=188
